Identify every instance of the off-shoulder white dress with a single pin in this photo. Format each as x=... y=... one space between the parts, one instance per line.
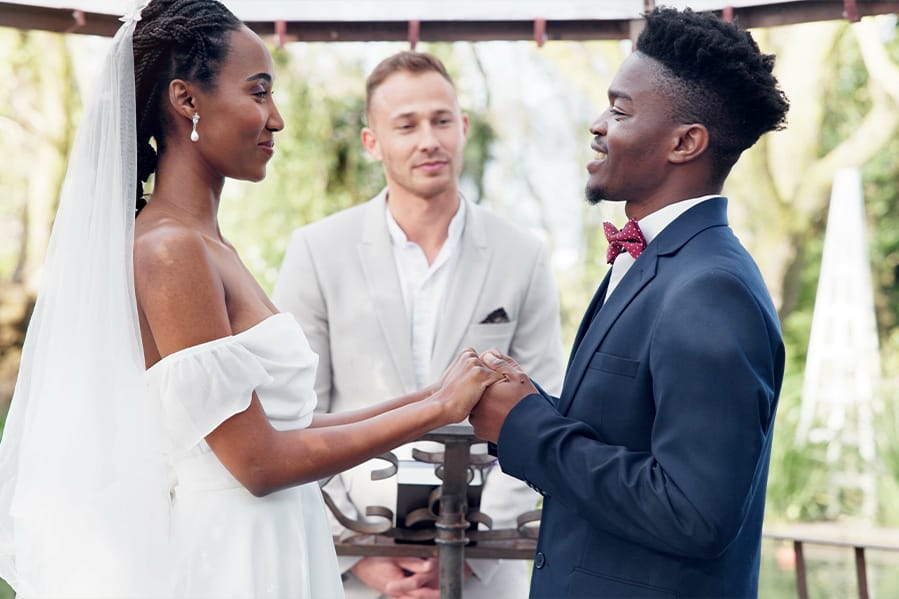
x=226 y=542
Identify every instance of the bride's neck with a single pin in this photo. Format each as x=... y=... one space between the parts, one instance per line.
x=188 y=190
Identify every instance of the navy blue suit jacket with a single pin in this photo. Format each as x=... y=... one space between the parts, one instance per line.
x=654 y=460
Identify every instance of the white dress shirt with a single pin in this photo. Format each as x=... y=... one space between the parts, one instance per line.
x=425 y=287
x=651 y=225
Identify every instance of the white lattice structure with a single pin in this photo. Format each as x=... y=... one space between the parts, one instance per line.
x=842 y=372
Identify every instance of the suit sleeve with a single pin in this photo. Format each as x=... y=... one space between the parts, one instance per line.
x=298 y=291
x=537 y=343
x=715 y=359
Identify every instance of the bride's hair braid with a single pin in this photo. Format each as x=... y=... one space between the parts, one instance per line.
x=175 y=39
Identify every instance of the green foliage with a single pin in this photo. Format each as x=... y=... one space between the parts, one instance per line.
x=797 y=474
x=797 y=325
x=846 y=96
x=882 y=204
x=18 y=59
x=477 y=151
x=888 y=452
x=39 y=107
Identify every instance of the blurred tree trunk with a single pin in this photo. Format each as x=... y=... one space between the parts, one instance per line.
x=51 y=126
x=38 y=112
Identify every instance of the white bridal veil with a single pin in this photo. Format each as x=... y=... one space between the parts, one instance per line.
x=83 y=490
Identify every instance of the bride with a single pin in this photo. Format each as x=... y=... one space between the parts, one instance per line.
x=162 y=439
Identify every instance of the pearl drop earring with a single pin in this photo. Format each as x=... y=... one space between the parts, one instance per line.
x=194 y=136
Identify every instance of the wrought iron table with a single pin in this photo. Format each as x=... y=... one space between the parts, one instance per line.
x=453 y=534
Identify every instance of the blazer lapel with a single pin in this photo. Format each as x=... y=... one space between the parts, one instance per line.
x=586 y=321
x=639 y=275
x=590 y=314
x=383 y=285
x=464 y=290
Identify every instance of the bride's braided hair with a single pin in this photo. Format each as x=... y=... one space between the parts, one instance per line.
x=175 y=39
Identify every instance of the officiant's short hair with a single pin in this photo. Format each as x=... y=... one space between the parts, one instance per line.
x=403 y=62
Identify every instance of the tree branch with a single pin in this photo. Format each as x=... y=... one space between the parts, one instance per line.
x=876 y=130
x=881 y=70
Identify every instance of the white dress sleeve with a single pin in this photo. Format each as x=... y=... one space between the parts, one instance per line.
x=202 y=386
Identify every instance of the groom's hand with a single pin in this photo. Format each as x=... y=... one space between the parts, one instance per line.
x=490 y=413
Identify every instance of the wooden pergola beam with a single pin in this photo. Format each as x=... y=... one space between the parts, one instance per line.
x=446 y=31
x=788 y=13
x=59 y=20
x=24 y=16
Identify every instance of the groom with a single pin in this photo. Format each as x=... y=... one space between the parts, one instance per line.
x=654 y=459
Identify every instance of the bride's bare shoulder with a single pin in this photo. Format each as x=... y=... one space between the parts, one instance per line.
x=162 y=238
x=169 y=254
x=179 y=287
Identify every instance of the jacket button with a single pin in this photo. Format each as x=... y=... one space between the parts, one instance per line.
x=539 y=560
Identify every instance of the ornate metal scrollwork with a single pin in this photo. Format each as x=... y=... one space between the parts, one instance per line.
x=375 y=511
x=421 y=524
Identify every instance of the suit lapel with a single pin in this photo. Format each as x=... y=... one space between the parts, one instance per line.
x=586 y=321
x=590 y=314
x=639 y=275
x=464 y=290
x=383 y=286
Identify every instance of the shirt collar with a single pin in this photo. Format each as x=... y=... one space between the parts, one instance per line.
x=453 y=233
x=654 y=223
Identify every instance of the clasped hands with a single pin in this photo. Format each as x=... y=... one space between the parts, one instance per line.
x=485 y=388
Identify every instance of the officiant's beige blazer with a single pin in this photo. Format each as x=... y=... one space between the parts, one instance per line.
x=339 y=278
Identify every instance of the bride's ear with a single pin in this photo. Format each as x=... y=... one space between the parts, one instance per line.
x=181 y=98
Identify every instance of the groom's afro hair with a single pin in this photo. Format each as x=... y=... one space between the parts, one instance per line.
x=716 y=76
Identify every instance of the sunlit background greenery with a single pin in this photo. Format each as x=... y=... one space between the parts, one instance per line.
x=529 y=124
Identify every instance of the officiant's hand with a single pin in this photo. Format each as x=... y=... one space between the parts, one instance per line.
x=490 y=413
x=400 y=577
x=423 y=583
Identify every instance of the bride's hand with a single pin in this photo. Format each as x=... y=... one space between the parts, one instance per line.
x=463 y=383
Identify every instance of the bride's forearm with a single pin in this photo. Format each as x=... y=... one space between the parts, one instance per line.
x=306 y=455
x=351 y=416
x=265 y=459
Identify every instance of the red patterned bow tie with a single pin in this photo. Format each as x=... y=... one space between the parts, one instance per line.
x=629 y=239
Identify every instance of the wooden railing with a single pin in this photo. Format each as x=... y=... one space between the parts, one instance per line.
x=859 y=541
